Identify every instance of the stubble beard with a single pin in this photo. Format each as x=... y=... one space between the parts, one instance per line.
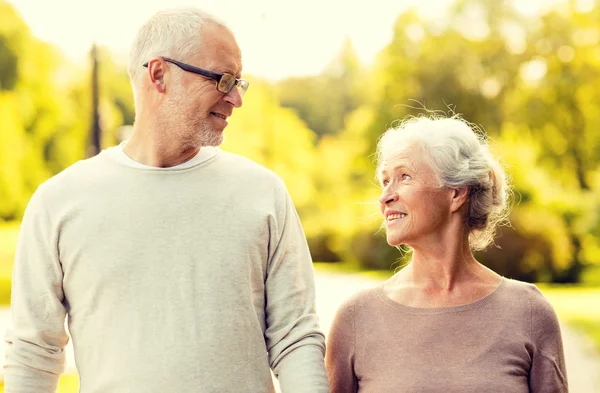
x=207 y=135
x=191 y=130
x=198 y=133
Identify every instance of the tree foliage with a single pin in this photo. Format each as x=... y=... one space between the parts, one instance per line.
x=532 y=83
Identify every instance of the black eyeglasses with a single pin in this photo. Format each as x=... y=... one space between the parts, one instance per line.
x=225 y=82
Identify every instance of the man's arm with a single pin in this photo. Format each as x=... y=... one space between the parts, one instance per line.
x=36 y=341
x=295 y=342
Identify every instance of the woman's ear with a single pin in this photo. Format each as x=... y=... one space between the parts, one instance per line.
x=459 y=198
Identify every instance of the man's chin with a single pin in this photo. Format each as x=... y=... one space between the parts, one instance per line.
x=212 y=138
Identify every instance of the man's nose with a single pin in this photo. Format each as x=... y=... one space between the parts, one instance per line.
x=234 y=97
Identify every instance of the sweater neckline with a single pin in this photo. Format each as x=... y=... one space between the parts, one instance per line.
x=379 y=290
x=150 y=169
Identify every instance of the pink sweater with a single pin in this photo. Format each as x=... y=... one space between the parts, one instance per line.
x=508 y=341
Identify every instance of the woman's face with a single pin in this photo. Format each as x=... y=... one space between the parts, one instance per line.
x=414 y=206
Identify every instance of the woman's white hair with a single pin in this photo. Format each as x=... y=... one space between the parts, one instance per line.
x=459 y=156
x=171 y=33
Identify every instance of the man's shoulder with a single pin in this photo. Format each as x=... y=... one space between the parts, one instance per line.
x=247 y=167
x=74 y=174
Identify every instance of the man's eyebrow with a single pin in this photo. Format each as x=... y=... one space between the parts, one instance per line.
x=229 y=70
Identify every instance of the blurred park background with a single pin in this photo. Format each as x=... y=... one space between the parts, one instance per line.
x=527 y=72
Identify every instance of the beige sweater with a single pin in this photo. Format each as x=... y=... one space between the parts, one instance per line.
x=507 y=342
x=194 y=279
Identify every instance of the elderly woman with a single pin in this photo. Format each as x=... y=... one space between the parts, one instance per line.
x=445 y=322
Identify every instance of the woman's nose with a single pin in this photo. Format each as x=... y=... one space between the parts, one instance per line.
x=388 y=197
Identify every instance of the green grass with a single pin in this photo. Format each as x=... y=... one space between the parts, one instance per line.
x=67 y=384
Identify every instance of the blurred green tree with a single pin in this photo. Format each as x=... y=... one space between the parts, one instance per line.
x=323 y=101
x=533 y=84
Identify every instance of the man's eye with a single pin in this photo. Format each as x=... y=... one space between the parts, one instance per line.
x=406 y=177
x=385 y=182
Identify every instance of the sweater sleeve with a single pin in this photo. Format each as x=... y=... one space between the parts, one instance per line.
x=341 y=344
x=548 y=371
x=37 y=338
x=294 y=340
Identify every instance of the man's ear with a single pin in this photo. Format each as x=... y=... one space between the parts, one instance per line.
x=459 y=198
x=156 y=71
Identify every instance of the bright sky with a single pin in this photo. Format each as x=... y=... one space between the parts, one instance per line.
x=278 y=38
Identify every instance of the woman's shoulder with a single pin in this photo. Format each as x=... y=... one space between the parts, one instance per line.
x=522 y=288
x=530 y=295
x=361 y=300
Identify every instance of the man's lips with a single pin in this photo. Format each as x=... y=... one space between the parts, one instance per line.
x=219 y=115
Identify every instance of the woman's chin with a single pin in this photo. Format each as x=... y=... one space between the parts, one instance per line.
x=394 y=242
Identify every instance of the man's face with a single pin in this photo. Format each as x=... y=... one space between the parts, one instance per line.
x=200 y=111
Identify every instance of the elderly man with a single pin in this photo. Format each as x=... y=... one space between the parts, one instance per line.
x=181 y=267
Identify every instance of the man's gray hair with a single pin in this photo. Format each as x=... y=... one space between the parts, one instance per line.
x=459 y=156
x=171 y=33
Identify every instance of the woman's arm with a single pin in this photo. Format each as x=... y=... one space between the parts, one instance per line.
x=548 y=372
x=339 y=357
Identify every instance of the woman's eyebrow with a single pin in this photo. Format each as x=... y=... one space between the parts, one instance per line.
x=399 y=167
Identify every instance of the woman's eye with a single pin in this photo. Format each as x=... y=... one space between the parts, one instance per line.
x=385 y=182
x=406 y=177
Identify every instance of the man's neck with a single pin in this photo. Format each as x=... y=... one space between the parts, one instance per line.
x=149 y=146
